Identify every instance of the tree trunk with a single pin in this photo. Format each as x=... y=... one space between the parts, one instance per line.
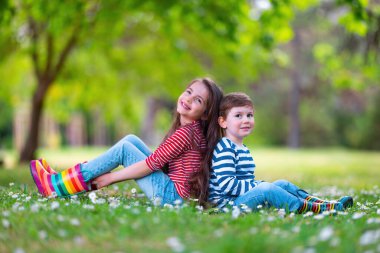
x=294 y=124
x=154 y=105
x=147 y=131
x=31 y=143
x=45 y=76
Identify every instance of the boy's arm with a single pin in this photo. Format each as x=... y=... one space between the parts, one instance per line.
x=134 y=171
x=225 y=172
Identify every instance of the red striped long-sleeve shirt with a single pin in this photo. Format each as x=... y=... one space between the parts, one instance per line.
x=182 y=151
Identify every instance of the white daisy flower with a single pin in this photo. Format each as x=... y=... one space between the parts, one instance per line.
x=175 y=244
x=75 y=222
x=6 y=223
x=326 y=233
x=235 y=212
x=54 y=205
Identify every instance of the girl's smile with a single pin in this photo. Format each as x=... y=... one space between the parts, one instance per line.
x=192 y=103
x=184 y=105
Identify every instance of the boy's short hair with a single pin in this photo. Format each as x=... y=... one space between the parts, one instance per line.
x=234 y=99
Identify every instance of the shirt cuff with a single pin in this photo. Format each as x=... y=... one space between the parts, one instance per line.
x=150 y=165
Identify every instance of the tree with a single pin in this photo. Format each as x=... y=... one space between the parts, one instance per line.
x=50 y=35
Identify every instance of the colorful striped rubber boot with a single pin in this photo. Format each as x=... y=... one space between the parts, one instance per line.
x=319 y=207
x=48 y=169
x=346 y=201
x=65 y=183
x=46 y=166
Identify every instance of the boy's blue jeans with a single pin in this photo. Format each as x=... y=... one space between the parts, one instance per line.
x=279 y=194
x=157 y=186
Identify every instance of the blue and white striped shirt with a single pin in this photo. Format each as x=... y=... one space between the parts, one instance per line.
x=232 y=172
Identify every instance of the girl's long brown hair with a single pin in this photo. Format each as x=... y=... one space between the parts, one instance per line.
x=200 y=180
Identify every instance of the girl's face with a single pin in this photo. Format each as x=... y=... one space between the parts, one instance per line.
x=238 y=124
x=192 y=103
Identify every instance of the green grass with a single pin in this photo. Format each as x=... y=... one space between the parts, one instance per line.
x=129 y=223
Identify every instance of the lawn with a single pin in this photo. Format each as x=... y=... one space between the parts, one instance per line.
x=119 y=219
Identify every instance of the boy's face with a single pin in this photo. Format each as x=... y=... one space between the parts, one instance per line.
x=238 y=124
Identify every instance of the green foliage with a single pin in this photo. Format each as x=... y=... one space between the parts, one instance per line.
x=360 y=130
x=18 y=88
x=353 y=25
x=111 y=59
x=317 y=127
x=126 y=51
x=6 y=12
x=348 y=64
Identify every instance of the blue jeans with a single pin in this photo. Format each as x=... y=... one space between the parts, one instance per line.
x=129 y=150
x=279 y=194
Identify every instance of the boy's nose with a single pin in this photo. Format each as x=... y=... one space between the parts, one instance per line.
x=246 y=119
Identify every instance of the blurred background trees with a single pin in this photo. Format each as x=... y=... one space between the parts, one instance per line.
x=88 y=72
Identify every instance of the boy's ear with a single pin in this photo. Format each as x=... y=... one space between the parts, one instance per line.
x=222 y=123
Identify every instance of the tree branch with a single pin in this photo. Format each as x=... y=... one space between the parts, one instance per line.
x=34 y=32
x=65 y=52
x=49 y=53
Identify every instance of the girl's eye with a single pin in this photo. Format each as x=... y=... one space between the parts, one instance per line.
x=198 y=100
x=238 y=116
x=250 y=115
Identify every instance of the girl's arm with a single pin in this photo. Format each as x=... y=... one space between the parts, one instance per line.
x=134 y=171
x=173 y=147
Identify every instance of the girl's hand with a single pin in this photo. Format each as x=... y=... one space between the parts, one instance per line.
x=102 y=181
x=134 y=171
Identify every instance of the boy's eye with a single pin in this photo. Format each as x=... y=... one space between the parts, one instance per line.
x=250 y=115
x=238 y=115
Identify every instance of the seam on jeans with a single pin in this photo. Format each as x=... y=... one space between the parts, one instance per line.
x=251 y=199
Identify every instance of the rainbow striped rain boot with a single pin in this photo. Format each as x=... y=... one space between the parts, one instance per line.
x=46 y=166
x=347 y=201
x=65 y=183
x=319 y=207
x=48 y=169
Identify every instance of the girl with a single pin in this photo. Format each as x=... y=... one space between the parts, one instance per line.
x=232 y=177
x=182 y=151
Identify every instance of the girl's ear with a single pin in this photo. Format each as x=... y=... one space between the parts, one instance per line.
x=222 y=123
